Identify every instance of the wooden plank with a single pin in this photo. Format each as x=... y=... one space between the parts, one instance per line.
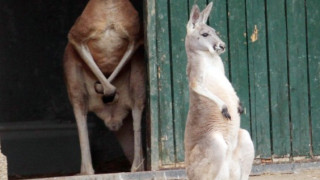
x=178 y=21
x=238 y=56
x=258 y=68
x=150 y=24
x=297 y=56
x=218 y=20
x=313 y=25
x=167 y=150
x=279 y=95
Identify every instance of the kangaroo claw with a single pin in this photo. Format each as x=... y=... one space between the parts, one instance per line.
x=240 y=108
x=225 y=113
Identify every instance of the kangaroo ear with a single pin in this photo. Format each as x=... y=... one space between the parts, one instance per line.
x=194 y=17
x=206 y=12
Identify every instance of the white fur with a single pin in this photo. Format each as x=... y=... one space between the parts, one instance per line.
x=212 y=67
x=215 y=148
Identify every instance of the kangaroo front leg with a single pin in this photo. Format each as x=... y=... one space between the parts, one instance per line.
x=240 y=108
x=206 y=93
x=137 y=164
x=83 y=50
x=132 y=47
x=81 y=118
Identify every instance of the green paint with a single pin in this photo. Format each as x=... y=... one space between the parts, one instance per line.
x=258 y=68
x=261 y=63
x=238 y=56
x=313 y=19
x=279 y=97
x=167 y=151
x=150 y=46
x=298 y=74
x=178 y=21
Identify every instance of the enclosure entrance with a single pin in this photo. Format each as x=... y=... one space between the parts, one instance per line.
x=37 y=127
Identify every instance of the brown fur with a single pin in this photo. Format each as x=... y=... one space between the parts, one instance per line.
x=103 y=39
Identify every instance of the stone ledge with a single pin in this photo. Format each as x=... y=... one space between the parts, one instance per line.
x=180 y=173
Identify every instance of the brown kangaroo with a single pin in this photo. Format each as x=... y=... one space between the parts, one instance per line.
x=215 y=145
x=101 y=42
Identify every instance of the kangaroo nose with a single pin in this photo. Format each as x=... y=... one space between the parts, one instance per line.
x=222 y=46
x=219 y=47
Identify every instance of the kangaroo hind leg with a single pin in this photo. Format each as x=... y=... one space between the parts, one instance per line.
x=246 y=153
x=208 y=159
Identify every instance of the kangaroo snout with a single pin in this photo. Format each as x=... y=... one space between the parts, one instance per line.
x=219 y=47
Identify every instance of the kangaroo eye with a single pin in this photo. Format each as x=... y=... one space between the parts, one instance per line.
x=205 y=34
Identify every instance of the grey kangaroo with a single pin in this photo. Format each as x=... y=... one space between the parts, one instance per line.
x=215 y=145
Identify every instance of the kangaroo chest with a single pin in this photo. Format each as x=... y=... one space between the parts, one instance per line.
x=108 y=50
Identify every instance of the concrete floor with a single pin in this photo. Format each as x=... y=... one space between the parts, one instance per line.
x=299 y=175
x=313 y=174
x=287 y=171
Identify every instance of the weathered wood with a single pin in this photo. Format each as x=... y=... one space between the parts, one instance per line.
x=298 y=75
x=167 y=150
x=313 y=29
x=258 y=68
x=268 y=66
x=238 y=56
x=178 y=21
x=153 y=111
x=279 y=96
x=218 y=19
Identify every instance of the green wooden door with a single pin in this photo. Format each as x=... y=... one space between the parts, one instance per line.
x=272 y=61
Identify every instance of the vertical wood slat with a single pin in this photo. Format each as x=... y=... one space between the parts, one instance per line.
x=218 y=19
x=167 y=151
x=279 y=97
x=313 y=25
x=258 y=64
x=298 y=77
x=150 y=24
x=258 y=68
x=178 y=21
x=238 y=56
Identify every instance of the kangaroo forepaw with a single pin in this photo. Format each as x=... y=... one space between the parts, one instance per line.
x=240 y=108
x=225 y=113
x=107 y=96
x=98 y=87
